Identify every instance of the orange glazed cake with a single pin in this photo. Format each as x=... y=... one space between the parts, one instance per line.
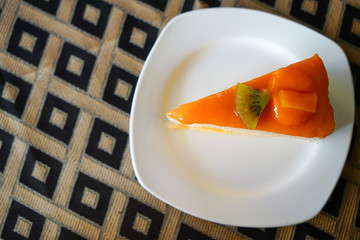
x=296 y=104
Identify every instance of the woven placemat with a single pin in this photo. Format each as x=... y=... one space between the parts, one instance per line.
x=68 y=71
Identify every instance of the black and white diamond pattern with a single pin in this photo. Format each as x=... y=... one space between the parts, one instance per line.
x=27 y=42
x=40 y=172
x=350 y=18
x=90 y=198
x=107 y=143
x=14 y=93
x=58 y=118
x=130 y=44
x=75 y=66
x=139 y=212
x=120 y=88
x=22 y=223
x=92 y=16
x=315 y=16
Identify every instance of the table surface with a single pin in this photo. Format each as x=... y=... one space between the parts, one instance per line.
x=68 y=71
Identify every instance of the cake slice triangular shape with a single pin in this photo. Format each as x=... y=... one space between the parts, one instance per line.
x=299 y=104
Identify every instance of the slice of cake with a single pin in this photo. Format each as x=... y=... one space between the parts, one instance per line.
x=292 y=100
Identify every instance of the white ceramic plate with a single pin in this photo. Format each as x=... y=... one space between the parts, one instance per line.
x=235 y=179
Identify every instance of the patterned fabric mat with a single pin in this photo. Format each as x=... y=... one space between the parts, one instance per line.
x=68 y=72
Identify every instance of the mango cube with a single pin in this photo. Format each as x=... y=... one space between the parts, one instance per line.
x=305 y=101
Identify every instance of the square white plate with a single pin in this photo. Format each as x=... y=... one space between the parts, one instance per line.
x=252 y=181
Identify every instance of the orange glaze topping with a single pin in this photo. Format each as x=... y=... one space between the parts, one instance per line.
x=299 y=103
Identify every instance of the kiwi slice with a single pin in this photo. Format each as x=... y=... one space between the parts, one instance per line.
x=249 y=104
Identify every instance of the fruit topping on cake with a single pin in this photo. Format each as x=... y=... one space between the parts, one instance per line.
x=249 y=104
